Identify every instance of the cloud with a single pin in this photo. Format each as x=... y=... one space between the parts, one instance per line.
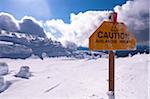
x=135 y=14
x=27 y=25
x=80 y=28
x=8 y=22
x=31 y=26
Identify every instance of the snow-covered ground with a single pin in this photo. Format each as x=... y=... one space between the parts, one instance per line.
x=64 y=78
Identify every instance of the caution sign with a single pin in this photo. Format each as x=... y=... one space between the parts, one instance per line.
x=110 y=36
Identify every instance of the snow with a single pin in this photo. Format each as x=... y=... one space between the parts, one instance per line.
x=3 y=68
x=4 y=42
x=111 y=95
x=4 y=84
x=66 y=78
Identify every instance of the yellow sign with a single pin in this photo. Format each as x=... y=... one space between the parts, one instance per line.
x=112 y=36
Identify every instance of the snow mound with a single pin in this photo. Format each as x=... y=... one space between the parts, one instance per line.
x=3 y=68
x=24 y=72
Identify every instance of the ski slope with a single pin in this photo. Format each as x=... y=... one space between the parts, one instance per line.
x=66 y=78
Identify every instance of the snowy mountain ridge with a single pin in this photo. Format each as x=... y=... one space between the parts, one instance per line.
x=29 y=44
x=23 y=45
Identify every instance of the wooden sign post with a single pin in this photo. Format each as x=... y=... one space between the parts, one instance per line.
x=112 y=35
x=111 y=77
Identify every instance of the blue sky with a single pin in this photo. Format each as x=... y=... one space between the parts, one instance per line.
x=63 y=8
x=54 y=9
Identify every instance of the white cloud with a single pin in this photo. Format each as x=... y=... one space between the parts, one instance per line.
x=27 y=24
x=31 y=18
x=133 y=13
x=30 y=25
x=8 y=22
x=81 y=27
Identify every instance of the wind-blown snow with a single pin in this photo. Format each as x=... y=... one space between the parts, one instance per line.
x=64 y=78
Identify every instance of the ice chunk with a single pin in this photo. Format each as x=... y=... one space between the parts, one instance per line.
x=24 y=72
x=3 y=68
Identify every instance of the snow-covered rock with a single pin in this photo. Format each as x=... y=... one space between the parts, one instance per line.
x=4 y=84
x=24 y=72
x=3 y=68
